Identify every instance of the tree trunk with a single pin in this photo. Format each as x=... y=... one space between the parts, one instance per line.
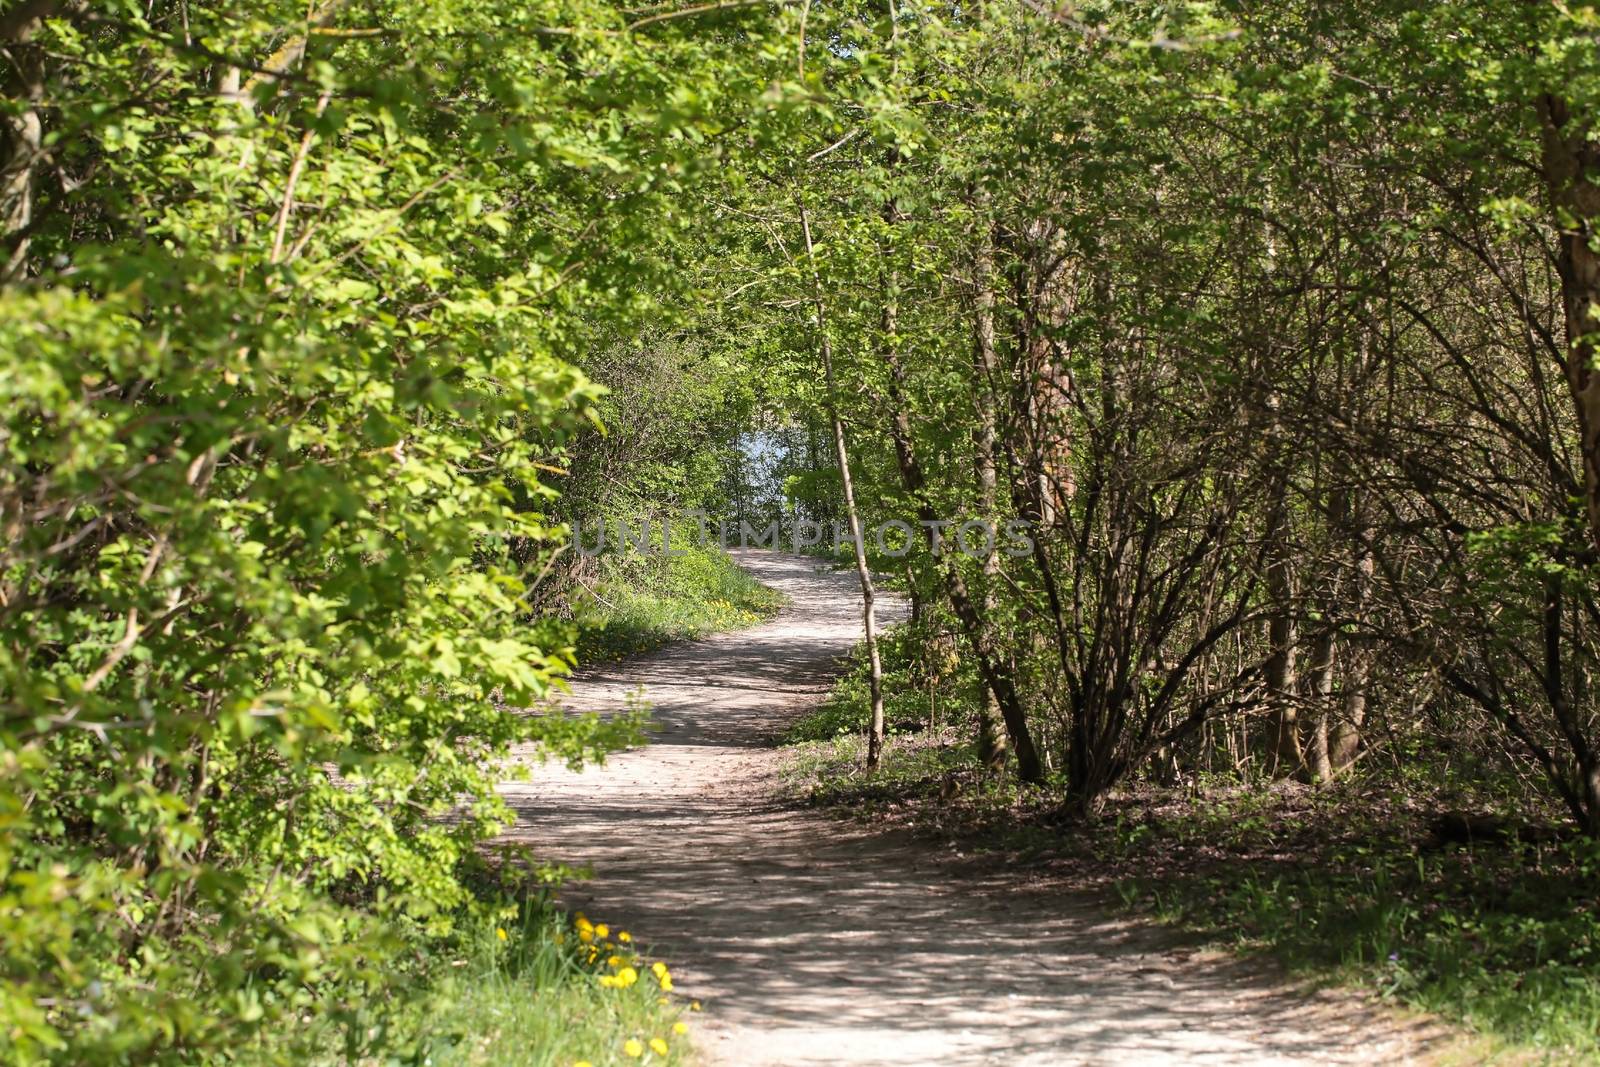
x=1345 y=741
x=1571 y=172
x=1288 y=755
x=914 y=594
x=1319 y=678
x=875 y=730
x=21 y=132
x=991 y=739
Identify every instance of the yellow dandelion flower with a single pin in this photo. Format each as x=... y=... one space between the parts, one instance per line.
x=633 y=1048
x=666 y=984
x=658 y=1045
x=624 y=936
x=583 y=924
x=694 y=1005
x=658 y=969
x=627 y=976
x=602 y=930
x=586 y=936
x=500 y=933
x=610 y=981
x=614 y=962
x=680 y=1028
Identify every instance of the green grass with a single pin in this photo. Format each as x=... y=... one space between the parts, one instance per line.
x=644 y=601
x=536 y=1000
x=1344 y=884
x=519 y=983
x=1503 y=937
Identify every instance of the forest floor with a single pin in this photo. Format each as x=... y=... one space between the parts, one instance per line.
x=810 y=940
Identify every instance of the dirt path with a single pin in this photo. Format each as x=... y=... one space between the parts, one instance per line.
x=812 y=942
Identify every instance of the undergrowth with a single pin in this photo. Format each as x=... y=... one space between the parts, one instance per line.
x=1503 y=936
x=922 y=683
x=520 y=983
x=1350 y=883
x=641 y=601
x=547 y=990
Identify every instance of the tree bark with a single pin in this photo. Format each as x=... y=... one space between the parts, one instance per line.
x=1319 y=676
x=1571 y=172
x=1345 y=740
x=991 y=738
x=1288 y=755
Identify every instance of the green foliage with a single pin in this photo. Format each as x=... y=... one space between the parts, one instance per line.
x=642 y=601
x=926 y=685
x=285 y=382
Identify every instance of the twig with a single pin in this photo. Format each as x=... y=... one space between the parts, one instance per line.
x=698 y=9
x=840 y=143
x=130 y=637
x=294 y=177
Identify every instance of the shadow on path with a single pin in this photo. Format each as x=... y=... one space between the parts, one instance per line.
x=813 y=942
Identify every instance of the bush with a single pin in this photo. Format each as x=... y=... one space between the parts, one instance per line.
x=282 y=379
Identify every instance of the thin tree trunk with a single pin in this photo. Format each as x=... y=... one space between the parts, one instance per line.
x=1320 y=691
x=1288 y=756
x=21 y=132
x=875 y=731
x=968 y=613
x=1345 y=741
x=918 y=608
x=991 y=738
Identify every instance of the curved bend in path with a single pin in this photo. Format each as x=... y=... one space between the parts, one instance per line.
x=811 y=942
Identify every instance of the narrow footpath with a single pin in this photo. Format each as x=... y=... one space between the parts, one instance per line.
x=811 y=941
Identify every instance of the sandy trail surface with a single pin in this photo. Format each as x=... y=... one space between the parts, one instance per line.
x=811 y=942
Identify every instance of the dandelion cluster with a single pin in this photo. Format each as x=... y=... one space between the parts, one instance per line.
x=617 y=966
